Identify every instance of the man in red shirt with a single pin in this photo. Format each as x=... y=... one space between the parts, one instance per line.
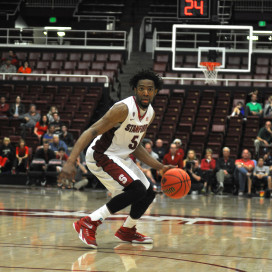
x=172 y=157
x=4 y=107
x=243 y=171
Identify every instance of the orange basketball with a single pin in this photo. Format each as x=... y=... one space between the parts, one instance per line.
x=176 y=183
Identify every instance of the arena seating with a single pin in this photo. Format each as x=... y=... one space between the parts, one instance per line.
x=76 y=105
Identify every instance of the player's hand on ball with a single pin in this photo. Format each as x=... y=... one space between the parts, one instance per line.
x=68 y=171
x=167 y=167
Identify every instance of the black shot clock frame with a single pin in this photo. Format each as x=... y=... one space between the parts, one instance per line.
x=194 y=9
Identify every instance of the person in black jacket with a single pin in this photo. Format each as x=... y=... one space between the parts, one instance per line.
x=67 y=137
x=224 y=169
x=16 y=109
x=193 y=170
x=7 y=155
x=45 y=153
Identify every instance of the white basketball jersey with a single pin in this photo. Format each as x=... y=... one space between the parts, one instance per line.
x=123 y=139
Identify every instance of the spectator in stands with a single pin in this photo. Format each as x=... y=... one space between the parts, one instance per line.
x=267 y=158
x=25 y=69
x=268 y=107
x=48 y=137
x=61 y=155
x=146 y=169
x=41 y=127
x=261 y=177
x=172 y=157
x=159 y=149
x=4 y=107
x=8 y=67
x=52 y=110
x=224 y=169
x=238 y=110
x=191 y=157
x=80 y=180
x=57 y=144
x=29 y=119
x=13 y=58
x=57 y=123
x=180 y=151
x=195 y=173
x=17 y=109
x=21 y=160
x=264 y=138
x=67 y=137
x=243 y=171
x=6 y=155
x=253 y=107
x=208 y=165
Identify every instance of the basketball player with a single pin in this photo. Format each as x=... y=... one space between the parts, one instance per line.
x=115 y=136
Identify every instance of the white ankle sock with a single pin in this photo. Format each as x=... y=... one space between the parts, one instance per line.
x=130 y=223
x=100 y=214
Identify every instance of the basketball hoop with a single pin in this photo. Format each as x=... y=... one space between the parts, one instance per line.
x=210 y=70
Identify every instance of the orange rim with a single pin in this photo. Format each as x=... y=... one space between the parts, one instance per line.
x=210 y=65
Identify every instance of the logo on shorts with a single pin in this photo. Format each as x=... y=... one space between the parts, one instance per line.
x=122 y=178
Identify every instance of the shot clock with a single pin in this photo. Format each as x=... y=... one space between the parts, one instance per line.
x=194 y=9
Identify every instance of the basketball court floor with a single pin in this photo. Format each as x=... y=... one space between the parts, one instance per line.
x=196 y=233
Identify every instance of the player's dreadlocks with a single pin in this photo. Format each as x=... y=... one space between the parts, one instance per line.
x=146 y=74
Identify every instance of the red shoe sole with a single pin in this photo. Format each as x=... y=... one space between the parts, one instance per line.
x=77 y=229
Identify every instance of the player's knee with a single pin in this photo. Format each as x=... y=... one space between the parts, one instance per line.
x=138 y=188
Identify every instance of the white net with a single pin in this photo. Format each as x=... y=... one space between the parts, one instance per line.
x=210 y=70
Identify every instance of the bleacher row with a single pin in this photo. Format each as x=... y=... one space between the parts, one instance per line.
x=200 y=120
x=109 y=64
x=76 y=106
x=262 y=69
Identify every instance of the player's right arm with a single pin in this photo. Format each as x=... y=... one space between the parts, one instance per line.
x=117 y=114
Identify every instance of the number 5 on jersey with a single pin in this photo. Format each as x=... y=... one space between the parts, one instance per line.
x=134 y=142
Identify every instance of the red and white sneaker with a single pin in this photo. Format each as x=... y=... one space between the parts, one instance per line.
x=131 y=235
x=86 y=228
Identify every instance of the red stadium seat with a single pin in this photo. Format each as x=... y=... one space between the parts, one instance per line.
x=47 y=56
x=61 y=56
x=102 y=57
x=74 y=56
x=88 y=57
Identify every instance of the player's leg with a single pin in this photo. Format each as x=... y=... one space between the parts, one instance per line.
x=125 y=187
x=128 y=231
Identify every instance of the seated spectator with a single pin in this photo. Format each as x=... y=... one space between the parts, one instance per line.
x=4 y=107
x=159 y=149
x=243 y=172
x=264 y=138
x=261 y=178
x=224 y=169
x=21 y=160
x=238 y=110
x=253 y=107
x=191 y=157
x=41 y=160
x=268 y=108
x=146 y=169
x=193 y=170
x=57 y=123
x=24 y=69
x=6 y=155
x=48 y=137
x=208 y=165
x=52 y=110
x=57 y=144
x=80 y=181
x=29 y=119
x=61 y=155
x=267 y=158
x=13 y=58
x=8 y=67
x=67 y=137
x=41 y=127
x=172 y=157
x=180 y=151
x=17 y=109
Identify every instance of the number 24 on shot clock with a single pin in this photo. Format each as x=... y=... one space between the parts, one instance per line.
x=194 y=9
